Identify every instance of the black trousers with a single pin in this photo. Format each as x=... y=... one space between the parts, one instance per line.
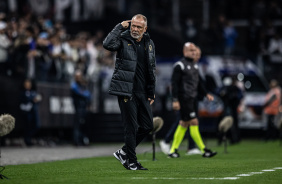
x=271 y=131
x=137 y=118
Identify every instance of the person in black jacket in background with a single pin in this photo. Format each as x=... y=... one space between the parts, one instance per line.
x=192 y=149
x=133 y=82
x=185 y=83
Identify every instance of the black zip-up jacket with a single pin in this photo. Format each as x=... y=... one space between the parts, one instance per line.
x=120 y=40
x=185 y=80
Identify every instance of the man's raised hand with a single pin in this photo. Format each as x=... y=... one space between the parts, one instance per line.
x=125 y=23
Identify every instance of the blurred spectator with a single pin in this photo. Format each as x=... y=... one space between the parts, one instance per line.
x=269 y=31
x=274 y=56
x=2 y=14
x=216 y=35
x=81 y=100
x=230 y=35
x=263 y=43
x=43 y=59
x=271 y=109
x=99 y=37
x=29 y=100
x=93 y=55
x=253 y=39
x=259 y=9
x=56 y=53
x=274 y=10
x=94 y=49
x=12 y=30
x=19 y=60
x=31 y=54
x=52 y=51
x=190 y=30
x=275 y=44
x=69 y=61
x=4 y=46
x=84 y=56
x=59 y=58
x=231 y=96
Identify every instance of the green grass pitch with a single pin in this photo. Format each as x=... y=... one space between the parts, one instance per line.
x=249 y=162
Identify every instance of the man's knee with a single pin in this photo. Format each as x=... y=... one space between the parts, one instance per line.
x=194 y=122
x=184 y=124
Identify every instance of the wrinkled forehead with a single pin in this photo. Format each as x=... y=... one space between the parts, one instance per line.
x=138 y=21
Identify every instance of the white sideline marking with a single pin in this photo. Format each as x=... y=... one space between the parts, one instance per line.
x=224 y=178
x=243 y=175
x=156 y=178
x=252 y=173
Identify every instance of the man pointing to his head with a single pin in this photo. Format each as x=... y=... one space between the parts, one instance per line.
x=133 y=82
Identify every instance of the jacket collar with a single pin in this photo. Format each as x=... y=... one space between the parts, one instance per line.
x=188 y=59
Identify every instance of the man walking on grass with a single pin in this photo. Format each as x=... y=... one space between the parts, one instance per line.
x=133 y=82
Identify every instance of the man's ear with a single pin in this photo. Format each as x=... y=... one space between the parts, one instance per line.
x=146 y=28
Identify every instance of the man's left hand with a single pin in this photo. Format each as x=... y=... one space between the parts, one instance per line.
x=210 y=97
x=151 y=100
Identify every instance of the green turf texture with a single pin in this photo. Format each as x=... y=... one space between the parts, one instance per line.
x=247 y=157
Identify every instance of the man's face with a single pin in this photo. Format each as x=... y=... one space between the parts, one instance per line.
x=198 y=55
x=138 y=28
x=190 y=51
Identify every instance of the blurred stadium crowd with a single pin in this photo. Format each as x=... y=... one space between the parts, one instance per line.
x=43 y=50
x=34 y=42
x=49 y=40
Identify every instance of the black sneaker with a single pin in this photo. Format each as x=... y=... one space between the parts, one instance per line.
x=175 y=154
x=141 y=167
x=208 y=153
x=136 y=166
x=122 y=158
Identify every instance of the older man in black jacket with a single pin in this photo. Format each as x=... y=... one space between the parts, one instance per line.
x=133 y=81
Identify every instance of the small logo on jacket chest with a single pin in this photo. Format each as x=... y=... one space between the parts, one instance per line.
x=125 y=99
x=150 y=47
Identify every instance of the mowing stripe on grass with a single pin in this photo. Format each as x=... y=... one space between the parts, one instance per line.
x=212 y=178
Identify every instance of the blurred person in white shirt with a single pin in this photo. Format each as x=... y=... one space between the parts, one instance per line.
x=275 y=45
x=4 y=45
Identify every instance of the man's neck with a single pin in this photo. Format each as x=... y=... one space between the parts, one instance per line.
x=188 y=59
x=139 y=39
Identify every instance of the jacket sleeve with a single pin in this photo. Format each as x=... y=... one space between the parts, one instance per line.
x=175 y=81
x=112 y=42
x=202 y=91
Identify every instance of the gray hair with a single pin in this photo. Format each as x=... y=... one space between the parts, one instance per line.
x=140 y=16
